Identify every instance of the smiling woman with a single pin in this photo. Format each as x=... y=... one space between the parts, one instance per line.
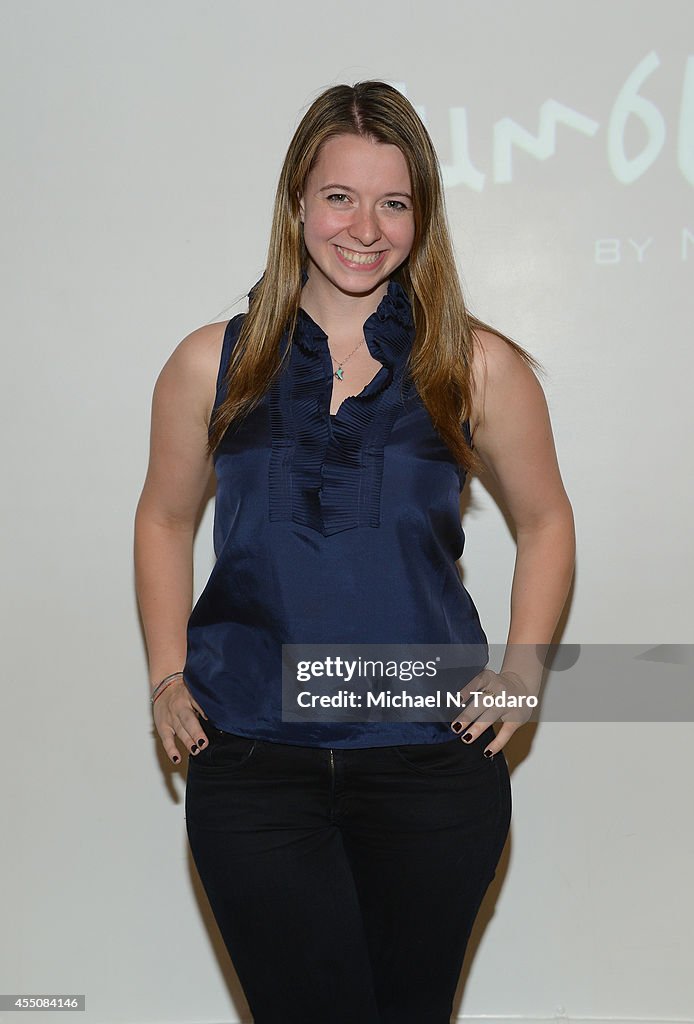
x=366 y=228
x=344 y=859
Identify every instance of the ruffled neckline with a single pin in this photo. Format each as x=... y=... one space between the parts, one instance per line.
x=326 y=471
x=389 y=331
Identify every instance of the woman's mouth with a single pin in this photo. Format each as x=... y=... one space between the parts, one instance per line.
x=360 y=260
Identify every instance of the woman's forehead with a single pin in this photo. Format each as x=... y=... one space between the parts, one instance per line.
x=353 y=157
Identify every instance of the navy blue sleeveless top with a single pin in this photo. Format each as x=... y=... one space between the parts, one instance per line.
x=339 y=529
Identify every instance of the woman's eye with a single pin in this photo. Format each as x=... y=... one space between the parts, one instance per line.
x=395 y=204
x=337 y=198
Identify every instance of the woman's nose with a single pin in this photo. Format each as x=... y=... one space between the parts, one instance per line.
x=365 y=228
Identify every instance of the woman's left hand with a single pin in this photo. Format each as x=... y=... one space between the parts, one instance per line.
x=515 y=695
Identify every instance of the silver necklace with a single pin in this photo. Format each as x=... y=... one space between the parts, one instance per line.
x=339 y=373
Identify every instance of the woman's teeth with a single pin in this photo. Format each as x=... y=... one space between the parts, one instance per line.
x=358 y=257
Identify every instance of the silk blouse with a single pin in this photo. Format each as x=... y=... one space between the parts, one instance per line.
x=341 y=529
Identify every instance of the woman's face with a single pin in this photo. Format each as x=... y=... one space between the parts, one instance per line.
x=357 y=214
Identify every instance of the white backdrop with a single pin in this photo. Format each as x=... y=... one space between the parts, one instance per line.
x=142 y=145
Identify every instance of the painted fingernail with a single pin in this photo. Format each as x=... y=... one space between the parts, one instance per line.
x=456 y=727
x=489 y=753
x=175 y=759
x=201 y=743
x=194 y=748
x=467 y=737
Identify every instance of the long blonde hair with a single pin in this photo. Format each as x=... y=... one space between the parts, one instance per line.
x=440 y=360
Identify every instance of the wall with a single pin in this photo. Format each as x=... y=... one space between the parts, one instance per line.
x=143 y=142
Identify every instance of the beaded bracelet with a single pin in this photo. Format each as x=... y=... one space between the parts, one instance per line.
x=160 y=687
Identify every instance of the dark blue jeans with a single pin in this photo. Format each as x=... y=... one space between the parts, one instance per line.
x=345 y=882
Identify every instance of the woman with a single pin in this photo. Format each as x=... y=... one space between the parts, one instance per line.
x=345 y=859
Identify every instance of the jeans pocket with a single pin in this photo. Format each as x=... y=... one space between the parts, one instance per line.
x=452 y=757
x=224 y=751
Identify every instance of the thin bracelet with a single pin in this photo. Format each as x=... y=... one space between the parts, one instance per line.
x=164 y=685
x=160 y=687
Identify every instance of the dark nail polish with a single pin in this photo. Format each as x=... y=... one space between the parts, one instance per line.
x=456 y=727
x=489 y=753
x=201 y=743
x=176 y=760
x=193 y=748
x=467 y=737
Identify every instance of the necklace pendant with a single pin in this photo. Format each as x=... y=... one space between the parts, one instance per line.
x=338 y=373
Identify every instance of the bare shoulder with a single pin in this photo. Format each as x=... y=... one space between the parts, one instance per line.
x=200 y=351
x=179 y=463
x=190 y=373
x=513 y=436
x=499 y=374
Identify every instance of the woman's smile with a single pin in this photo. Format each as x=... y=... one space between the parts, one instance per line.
x=360 y=260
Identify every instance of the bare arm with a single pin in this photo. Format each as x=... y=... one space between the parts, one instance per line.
x=176 y=481
x=512 y=434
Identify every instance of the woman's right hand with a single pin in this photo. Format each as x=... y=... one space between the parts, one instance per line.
x=176 y=717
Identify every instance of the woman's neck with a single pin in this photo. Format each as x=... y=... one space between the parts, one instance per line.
x=339 y=313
